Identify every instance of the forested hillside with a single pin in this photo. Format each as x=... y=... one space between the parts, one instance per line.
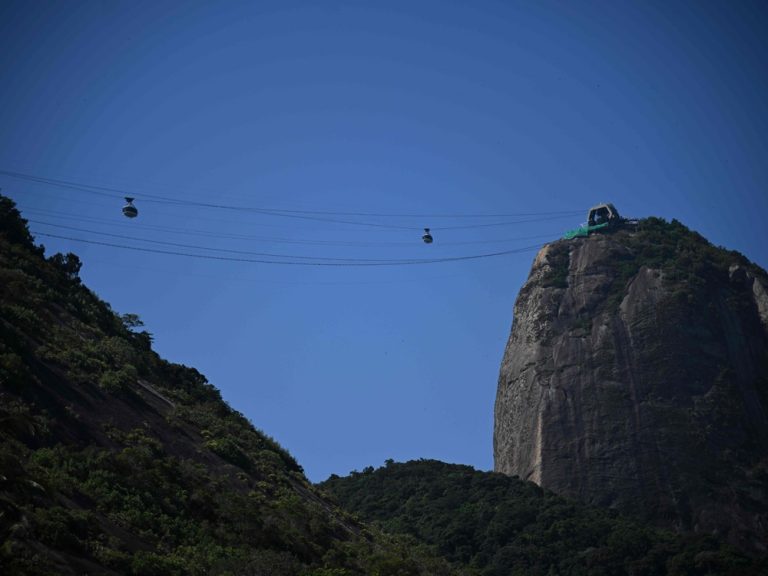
x=115 y=461
x=497 y=525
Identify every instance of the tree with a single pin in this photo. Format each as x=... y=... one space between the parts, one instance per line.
x=12 y=225
x=131 y=321
x=68 y=263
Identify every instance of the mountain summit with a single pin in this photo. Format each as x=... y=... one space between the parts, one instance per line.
x=636 y=377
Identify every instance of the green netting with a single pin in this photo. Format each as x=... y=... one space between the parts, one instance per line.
x=583 y=231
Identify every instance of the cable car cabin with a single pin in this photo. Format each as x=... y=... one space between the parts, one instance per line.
x=603 y=214
x=129 y=210
x=427 y=237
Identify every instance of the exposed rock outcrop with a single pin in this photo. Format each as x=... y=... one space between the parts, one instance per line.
x=636 y=377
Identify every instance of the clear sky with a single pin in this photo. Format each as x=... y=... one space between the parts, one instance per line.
x=386 y=108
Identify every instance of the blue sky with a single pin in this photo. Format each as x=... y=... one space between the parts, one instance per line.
x=407 y=108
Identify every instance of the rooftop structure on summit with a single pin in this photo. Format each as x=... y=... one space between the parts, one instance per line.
x=599 y=217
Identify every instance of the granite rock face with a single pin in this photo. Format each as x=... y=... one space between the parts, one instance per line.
x=636 y=377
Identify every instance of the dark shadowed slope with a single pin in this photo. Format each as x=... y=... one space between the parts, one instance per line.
x=114 y=461
x=497 y=525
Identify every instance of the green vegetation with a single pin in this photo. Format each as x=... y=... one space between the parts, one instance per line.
x=114 y=461
x=688 y=262
x=495 y=525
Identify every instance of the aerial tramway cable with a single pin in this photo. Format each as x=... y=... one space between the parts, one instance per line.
x=267 y=239
x=198 y=247
x=403 y=262
x=313 y=215
x=238 y=255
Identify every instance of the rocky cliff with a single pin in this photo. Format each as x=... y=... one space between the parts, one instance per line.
x=636 y=377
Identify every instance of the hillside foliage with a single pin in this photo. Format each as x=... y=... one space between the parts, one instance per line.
x=115 y=461
x=688 y=262
x=496 y=525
